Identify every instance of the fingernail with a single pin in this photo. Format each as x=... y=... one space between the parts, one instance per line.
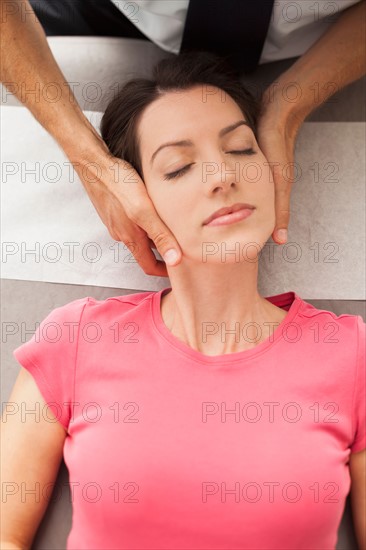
x=170 y=256
x=282 y=235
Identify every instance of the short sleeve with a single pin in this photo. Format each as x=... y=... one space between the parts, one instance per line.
x=50 y=357
x=359 y=394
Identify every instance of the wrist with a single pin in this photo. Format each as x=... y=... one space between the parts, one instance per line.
x=286 y=103
x=91 y=157
x=83 y=145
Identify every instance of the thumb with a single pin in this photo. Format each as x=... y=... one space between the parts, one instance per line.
x=166 y=245
x=171 y=256
x=141 y=210
x=283 y=184
x=158 y=232
x=275 y=149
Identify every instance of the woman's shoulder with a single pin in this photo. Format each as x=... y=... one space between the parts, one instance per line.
x=307 y=310
x=302 y=312
x=324 y=324
x=345 y=329
x=91 y=307
x=118 y=301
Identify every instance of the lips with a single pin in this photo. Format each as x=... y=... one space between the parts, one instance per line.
x=228 y=210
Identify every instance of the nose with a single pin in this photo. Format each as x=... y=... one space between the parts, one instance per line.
x=220 y=175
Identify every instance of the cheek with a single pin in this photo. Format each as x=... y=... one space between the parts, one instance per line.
x=174 y=209
x=265 y=186
x=165 y=202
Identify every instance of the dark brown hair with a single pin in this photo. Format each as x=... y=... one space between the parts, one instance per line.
x=186 y=70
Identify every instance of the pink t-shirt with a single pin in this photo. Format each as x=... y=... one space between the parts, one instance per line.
x=168 y=448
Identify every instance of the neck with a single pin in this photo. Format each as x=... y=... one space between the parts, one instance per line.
x=216 y=308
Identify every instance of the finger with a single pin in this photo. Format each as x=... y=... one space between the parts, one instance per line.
x=151 y=243
x=157 y=231
x=138 y=242
x=146 y=259
x=283 y=181
x=274 y=148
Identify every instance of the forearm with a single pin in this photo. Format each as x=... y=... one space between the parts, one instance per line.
x=334 y=61
x=30 y=71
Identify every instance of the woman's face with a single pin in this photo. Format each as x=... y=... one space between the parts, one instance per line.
x=214 y=173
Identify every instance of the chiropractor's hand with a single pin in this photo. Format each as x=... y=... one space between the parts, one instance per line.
x=276 y=139
x=121 y=200
x=335 y=60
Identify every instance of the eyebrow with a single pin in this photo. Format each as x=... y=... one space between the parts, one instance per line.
x=189 y=143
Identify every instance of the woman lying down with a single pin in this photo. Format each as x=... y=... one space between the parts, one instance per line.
x=204 y=415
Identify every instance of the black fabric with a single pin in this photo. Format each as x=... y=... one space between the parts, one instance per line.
x=84 y=18
x=234 y=29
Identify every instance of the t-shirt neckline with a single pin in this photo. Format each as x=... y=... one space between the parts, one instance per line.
x=289 y=300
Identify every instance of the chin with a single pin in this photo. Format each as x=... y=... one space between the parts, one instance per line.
x=234 y=249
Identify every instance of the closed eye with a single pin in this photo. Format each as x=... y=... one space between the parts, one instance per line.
x=183 y=170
